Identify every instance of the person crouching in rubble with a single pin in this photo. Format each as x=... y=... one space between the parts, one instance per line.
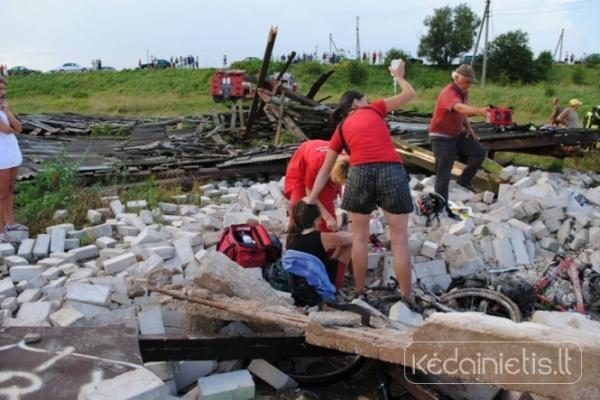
x=300 y=176
x=376 y=176
x=307 y=259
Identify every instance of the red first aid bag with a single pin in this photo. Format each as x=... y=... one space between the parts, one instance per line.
x=249 y=245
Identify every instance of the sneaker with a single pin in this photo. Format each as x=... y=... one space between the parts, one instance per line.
x=16 y=227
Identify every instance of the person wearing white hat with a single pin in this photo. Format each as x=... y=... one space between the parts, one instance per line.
x=569 y=118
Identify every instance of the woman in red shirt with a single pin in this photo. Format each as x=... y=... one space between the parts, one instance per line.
x=376 y=177
x=300 y=177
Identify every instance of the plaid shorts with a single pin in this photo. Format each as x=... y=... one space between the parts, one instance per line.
x=377 y=184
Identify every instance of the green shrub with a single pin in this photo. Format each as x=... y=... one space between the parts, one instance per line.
x=549 y=92
x=355 y=72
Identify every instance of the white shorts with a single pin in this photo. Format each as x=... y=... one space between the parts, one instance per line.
x=10 y=154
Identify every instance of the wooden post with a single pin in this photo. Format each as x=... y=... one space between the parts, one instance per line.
x=261 y=79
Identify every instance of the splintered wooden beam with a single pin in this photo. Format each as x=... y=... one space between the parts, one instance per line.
x=417 y=156
x=256 y=101
x=318 y=83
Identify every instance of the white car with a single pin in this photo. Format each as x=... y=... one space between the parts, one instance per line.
x=70 y=67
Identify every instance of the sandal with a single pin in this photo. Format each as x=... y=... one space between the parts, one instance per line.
x=16 y=227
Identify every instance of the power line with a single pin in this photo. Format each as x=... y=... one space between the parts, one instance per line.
x=541 y=10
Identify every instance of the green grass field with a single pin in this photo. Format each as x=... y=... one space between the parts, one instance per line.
x=186 y=92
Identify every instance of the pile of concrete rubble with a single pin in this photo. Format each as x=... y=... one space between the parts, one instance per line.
x=101 y=274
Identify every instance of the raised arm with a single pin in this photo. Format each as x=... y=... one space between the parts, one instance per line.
x=407 y=93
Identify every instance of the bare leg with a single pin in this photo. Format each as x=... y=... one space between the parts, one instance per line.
x=400 y=251
x=343 y=254
x=4 y=191
x=360 y=243
x=9 y=213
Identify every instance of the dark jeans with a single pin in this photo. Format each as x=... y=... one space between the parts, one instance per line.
x=446 y=151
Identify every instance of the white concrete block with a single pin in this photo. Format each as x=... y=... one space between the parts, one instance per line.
x=41 y=246
x=25 y=272
x=504 y=253
x=117 y=207
x=148 y=235
x=151 y=322
x=9 y=303
x=188 y=372
x=57 y=240
x=168 y=208
x=462 y=227
x=400 y=312
x=85 y=252
x=26 y=249
x=430 y=268
x=94 y=217
x=98 y=231
x=236 y=385
x=273 y=376
x=429 y=249
x=119 y=263
x=88 y=310
x=90 y=294
x=29 y=295
x=11 y=261
x=520 y=251
x=138 y=384
x=38 y=311
x=183 y=250
x=539 y=230
x=67 y=316
x=106 y=242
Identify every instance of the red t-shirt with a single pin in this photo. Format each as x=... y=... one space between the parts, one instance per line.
x=303 y=168
x=367 y=136
x=445 y=120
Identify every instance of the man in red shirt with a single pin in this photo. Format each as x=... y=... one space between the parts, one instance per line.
x=451 y=133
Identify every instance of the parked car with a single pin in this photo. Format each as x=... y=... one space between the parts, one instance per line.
x=70 y=67
x=158 y=64
x=20 y=70
x=108 y=69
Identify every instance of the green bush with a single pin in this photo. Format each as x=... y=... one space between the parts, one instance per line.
x=549 y=92
x=592 y=60
x=355 y=72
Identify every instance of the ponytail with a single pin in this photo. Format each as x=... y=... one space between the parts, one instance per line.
x=344 y=107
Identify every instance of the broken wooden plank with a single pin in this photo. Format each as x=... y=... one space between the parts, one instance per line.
x=261 y=80
x=318 y=83
x=414 y=155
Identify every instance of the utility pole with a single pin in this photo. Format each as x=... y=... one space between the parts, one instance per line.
x=485 y=21
x=330 y=43
x=357 y=40
x=485 y=43
x=559 y=45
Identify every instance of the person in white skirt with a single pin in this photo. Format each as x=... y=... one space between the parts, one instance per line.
x=10 y=159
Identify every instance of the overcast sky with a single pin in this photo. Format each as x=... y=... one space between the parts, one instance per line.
x=43 y=34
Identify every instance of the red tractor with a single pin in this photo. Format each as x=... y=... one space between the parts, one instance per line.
x=229 y=85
